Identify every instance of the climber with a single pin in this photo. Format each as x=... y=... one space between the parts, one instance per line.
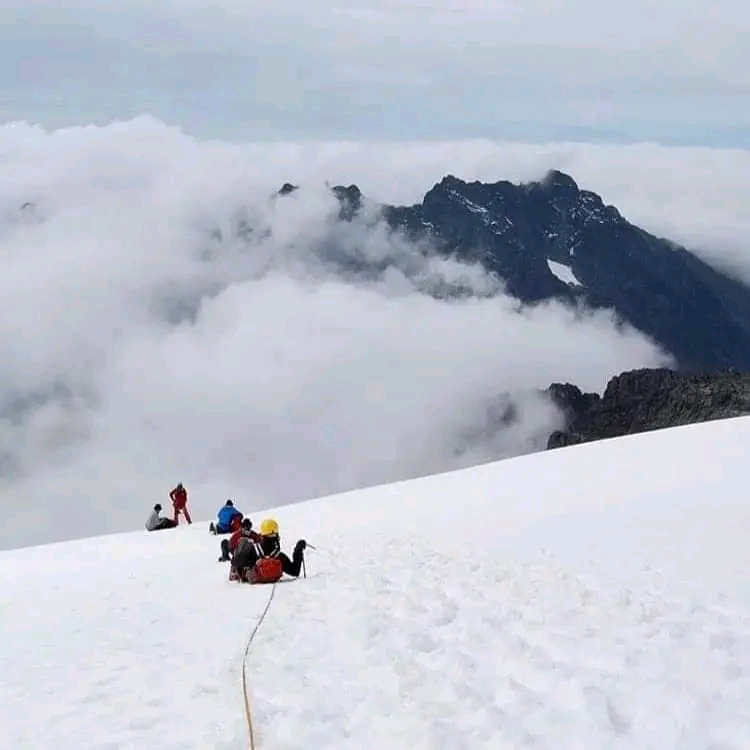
x=155 y=522
x=179 y=499
x=228 y=519
x=228 y=546
x=263 y=561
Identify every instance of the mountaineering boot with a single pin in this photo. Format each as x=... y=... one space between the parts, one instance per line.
x=224 y=551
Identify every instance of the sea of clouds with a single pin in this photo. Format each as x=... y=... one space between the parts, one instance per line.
x=165 y=317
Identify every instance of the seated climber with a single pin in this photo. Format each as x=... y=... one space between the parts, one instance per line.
x=228 y=546
x=155 y=522
x=228 y=519
x=263 y=561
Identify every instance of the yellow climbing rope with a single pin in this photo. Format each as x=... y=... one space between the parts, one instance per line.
x=245 y=695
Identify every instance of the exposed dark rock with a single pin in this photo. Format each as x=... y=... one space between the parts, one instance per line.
x=648 y=399
x=694 y=312
x=571 y=400
x=350 y=199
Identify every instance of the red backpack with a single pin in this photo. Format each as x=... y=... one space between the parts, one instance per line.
x=267 y=570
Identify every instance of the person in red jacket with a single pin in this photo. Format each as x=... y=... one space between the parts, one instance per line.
x=179 y=499
x=228 y=546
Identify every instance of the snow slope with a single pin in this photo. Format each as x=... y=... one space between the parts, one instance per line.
x=563 y=272
x=596 y=596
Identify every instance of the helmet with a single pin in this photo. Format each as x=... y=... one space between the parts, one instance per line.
x=157 y=507
x=268 y=527
x=246 y=524
x=229 y=503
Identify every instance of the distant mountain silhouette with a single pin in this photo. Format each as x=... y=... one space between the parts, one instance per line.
x=519 y=232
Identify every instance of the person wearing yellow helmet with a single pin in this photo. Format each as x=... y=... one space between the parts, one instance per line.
x=248 y=554
x=269 y=527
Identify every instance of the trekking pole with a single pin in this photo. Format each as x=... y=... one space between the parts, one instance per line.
x=304 y=568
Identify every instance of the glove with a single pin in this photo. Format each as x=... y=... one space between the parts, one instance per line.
x=300 y=546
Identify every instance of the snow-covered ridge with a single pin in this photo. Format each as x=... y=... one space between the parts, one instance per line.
x=482 y=212
x=595 y=596
x=590 y=209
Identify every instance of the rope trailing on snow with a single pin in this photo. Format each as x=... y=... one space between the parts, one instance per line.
x=245 y=695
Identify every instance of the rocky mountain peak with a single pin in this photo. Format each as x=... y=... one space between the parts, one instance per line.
x=518 y=232
x=558 y=184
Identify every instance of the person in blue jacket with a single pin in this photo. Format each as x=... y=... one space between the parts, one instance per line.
x=228 y=519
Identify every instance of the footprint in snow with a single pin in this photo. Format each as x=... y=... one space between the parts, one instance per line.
x=422 y=642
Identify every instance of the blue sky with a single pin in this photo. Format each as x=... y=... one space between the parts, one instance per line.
x=674 y=72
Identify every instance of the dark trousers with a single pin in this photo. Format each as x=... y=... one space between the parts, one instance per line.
x=165 y=523
x=294 y=566
x=185 y=512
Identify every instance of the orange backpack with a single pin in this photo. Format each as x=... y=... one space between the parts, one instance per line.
x=267 y=570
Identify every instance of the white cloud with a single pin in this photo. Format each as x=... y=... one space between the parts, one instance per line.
x=288 y=374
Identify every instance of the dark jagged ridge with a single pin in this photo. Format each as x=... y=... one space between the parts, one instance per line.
x=648 y=399
x=696 y=313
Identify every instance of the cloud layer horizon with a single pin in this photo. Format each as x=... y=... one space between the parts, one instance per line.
x=150 y=337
